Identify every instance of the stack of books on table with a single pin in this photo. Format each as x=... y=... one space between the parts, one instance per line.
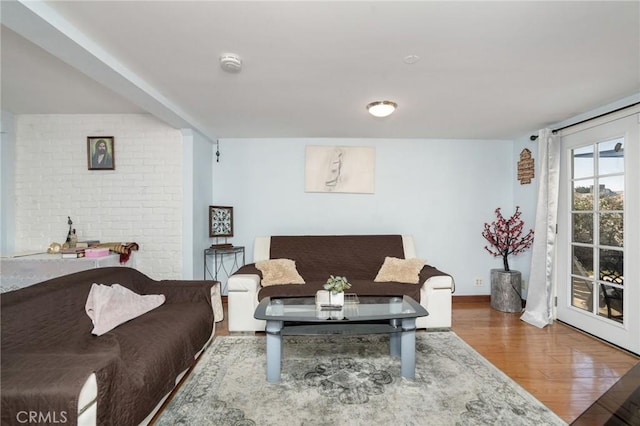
x=72 y=253
x=222 y=246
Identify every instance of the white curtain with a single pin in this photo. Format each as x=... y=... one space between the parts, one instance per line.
x=539 y=310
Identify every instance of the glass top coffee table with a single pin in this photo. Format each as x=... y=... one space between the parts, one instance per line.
x=359 y=316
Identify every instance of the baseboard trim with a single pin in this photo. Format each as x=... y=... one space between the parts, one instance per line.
x=471 y=299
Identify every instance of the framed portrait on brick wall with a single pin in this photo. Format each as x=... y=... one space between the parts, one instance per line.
x=101 y=153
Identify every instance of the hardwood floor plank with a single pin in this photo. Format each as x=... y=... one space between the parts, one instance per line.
x=571 y=371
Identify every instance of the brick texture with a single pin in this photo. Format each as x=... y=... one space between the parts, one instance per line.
x=141 y=200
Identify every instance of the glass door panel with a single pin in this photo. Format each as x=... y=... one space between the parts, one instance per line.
x=582 y=227
x=583 y=162
x=611 y=156
x=611 y=226
x=611 y=306
x=582 y=294
x=583 y=194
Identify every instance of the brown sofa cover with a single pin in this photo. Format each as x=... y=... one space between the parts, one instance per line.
x=357 y=257
x=48 y=351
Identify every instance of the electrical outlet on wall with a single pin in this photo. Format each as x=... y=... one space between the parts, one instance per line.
x=478 y=282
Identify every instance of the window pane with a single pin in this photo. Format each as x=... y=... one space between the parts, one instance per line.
x=611 y=193
x=583 y=162
x=611 y=157
x=581 y=293
x=582 y=226
x=583 y=194
x=611 y=305
x=611 y=266
x=611 y=229
x=582 y=261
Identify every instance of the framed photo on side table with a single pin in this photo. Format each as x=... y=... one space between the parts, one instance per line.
x=101 y=153
x=220 y=221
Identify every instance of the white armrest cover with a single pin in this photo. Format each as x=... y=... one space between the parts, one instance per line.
x=261 y=249
x=435 y=296
x=216 y=303
x=87 y=402
x=243 y=301
x=408 y=247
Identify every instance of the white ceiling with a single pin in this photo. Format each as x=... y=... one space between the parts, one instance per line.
x=488 y=70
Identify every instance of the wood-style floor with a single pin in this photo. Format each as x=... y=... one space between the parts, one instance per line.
x=565 y=369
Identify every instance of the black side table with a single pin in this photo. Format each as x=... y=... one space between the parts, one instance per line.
x=235 y=254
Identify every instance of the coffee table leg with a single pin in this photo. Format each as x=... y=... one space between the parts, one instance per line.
x=408 y=348
x=274 y=350
x=394 y=338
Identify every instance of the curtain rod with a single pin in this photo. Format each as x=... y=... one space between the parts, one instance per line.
x=534 y=137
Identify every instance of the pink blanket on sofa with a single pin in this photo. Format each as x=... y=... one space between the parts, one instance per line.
x=108 y=306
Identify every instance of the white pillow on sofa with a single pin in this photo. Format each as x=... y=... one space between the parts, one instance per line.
x=110 y=306
x=279 y=272
x=400 y=270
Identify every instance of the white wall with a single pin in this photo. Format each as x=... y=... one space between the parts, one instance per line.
x=525 y=196
x=199 y=152
x=7 y=182
x=440 y=191
x=141 y=200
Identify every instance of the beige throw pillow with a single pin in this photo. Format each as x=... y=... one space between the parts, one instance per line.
x=400 y=270
x=278 y=272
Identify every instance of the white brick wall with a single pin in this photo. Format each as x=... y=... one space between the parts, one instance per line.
x=141 y=200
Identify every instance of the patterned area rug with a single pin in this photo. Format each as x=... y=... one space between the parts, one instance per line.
x=351 y=380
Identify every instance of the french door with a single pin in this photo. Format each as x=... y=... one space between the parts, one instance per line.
x=598 y=231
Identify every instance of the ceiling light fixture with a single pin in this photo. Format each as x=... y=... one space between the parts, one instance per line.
x=381 y=108
x=411 y=59
x=231 y=62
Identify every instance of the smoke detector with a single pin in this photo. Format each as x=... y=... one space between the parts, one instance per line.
x=230 y=62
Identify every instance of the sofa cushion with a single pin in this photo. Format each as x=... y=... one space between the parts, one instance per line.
x=359 y=287
x=400 y=270
x=279 y=272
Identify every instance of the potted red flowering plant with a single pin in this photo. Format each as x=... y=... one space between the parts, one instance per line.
x=506 y=237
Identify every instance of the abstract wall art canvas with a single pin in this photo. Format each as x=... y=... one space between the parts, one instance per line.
x=340 y=169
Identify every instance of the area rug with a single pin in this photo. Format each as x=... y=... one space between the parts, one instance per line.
x=351 y=380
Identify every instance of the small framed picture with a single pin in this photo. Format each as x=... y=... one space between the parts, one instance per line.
x=220 y=221
x=101 y=153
